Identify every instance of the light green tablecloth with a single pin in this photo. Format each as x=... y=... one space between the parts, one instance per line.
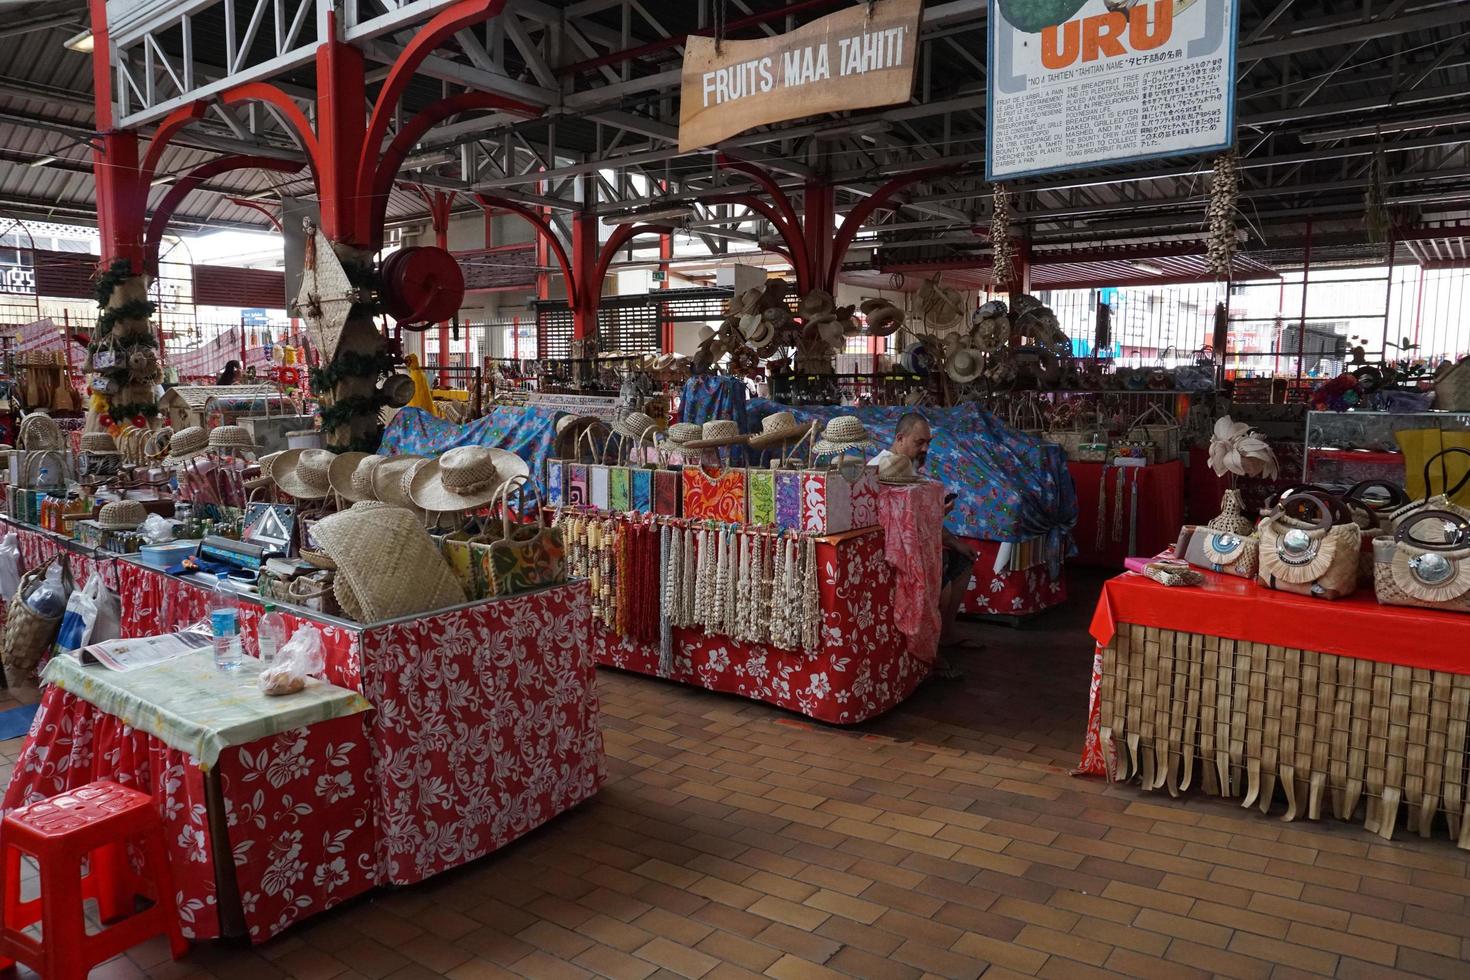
x=190 y=705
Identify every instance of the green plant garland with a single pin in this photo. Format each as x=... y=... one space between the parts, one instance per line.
x=121 y=412
x=350 y=364
x=342 y=412
x=118 y=272
x=135 y=310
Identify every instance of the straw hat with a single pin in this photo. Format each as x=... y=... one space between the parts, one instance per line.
x=359 y=486
x=388 y=480
x=843 y=432
x=761 y=333
x=633 y=425
x=339 y=474
x=398 y=390
x=897 y=469
x=679 y=437
x=301 y=473
x=718 y=433
x=464 y=479
x=99 y=444
x=231 y=437
x=121 y=515
x=188 y=443
x=779 y=428
x=387 y=565
x=964 y=365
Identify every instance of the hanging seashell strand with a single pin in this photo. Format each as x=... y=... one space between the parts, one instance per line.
x=1224 y=192
x=1003 y=261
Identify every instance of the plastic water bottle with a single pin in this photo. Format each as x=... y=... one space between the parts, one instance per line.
x=224 y=625
x=270 y=634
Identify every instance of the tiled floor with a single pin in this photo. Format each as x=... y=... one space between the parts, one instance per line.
x=946 y=840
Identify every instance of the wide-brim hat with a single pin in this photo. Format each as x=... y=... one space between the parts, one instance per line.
x=679 y=436
x=466 y=478
x=779 y=428
x=339 y=474
x=387 y=565
x=716 y=434
x=359 y=483
x=121 y=515
x=188 y=443
x=898 y=470
x=634 y=425
x=761 y=334
x=389 y=482
x=964 y=365
x=883 y=320
x=231 y=437
x=302 y=473
x=843 y=432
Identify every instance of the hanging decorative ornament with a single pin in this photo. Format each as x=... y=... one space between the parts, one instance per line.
x=1375 y=200
x=106 y=421
x=1003 y=259
x=1224 y=193
x=140 y=421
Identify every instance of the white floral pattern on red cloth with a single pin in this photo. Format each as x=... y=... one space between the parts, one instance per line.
x=297 y=808
x=1009 y=592
x=486 y=727
x=1093 y=761
x=862 y=669
x=913 y=532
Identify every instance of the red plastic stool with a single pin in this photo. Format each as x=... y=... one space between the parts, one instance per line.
x=99 y=820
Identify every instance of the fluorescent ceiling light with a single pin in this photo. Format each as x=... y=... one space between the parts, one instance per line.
x=654 y=215
x=80 y=42
x=42 y=162
x=1148 y=268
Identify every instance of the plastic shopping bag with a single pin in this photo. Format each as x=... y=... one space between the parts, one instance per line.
x=301 y=657
x=80 y=618
x=9 y=566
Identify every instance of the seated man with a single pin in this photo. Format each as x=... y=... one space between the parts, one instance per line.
x=911 y=438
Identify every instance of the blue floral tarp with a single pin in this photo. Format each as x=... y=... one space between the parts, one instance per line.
x=527 y=432
x=1011 y=486
x=707 y=397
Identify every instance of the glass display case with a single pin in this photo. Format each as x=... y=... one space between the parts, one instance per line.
x=1343 y=448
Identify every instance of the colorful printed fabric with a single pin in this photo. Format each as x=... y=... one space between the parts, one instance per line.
x=707 y=397
x=912 y=518
x=528 y=432
x=717 y=496
x=1010 y=591
x=1011 y=486
x=191 y=705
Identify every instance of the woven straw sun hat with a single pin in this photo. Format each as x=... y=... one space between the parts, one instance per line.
x=231 y=437
x=339 y=474
x=121 y=515
x=779 y=428
x=302 y=473
x=188 y=443
x=359 y=486
x=389 y=483
x=842 y=433
x=387 y=565
x=897 y=470
x=465 y=478
x=633 y=425
x=678 y=437
x=99 y=444
x=717 y=433
x=964 y=365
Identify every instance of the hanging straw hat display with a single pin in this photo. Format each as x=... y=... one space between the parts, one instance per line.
x=843 y=433
x=387 y=565
x=717 y=434
x=939 y=305
x=302 y=473
x=186 y=444
x=466 y=478
x=883 y=317
x=964 y=365
x=779 y=428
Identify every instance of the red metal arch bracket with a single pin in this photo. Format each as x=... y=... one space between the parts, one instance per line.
x=864 y=211
x=248 y=92
x=795 y=250
x=191 y=182
x=543 y=228
x=615 y=242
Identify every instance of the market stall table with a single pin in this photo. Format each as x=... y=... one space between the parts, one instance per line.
x=1003 y=586
x=266 y=802
x=1235 y=689
x=1123 y=511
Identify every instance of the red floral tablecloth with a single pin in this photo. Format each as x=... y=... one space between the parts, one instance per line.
x=1010 y=591
x=863 y=668
x=486 y=726
x=297 y=808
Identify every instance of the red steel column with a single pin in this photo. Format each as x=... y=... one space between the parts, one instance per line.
x=121 y=202
x=341 y=129
x=584 y=268
x=666 y=327
x=819 y=229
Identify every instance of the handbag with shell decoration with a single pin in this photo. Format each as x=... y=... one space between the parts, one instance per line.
x=1432 y=573
x=1309 y=544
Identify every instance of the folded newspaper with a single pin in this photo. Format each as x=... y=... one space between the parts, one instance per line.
x=145 y=651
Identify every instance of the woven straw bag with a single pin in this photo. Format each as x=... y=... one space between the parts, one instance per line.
x=1433 y=574
x=524 y=558
x=28 y=634
x=387 y=565
x=1309 y=545
x=1160 y=428
x=1220 y=551
x=1452 y=387
x=1438 y=501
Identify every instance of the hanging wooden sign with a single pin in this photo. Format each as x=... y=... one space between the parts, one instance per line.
x=853 y=59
